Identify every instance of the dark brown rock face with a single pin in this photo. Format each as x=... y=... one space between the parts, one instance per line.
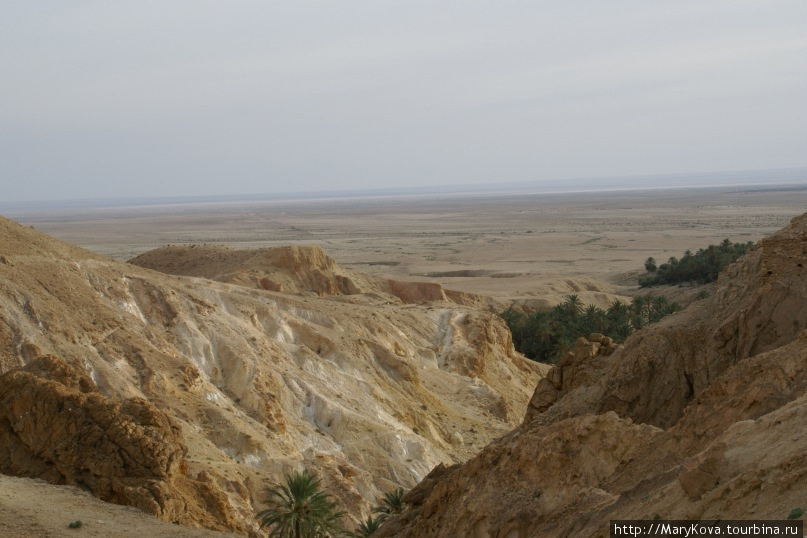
x=54 y=425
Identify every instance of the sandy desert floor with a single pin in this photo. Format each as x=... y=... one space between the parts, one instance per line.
x=36 y=509
x=539 y=247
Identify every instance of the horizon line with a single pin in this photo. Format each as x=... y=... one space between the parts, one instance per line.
x=567 y=186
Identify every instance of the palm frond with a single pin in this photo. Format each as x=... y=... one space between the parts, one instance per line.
x=299 y=508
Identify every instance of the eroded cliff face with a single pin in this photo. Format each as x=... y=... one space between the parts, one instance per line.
x=56 y=426
x=699 y=417
x=223 y=386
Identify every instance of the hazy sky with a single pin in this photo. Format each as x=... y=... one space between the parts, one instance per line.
x=118 y=98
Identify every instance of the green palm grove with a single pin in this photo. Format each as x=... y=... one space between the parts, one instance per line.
x=702 y=266
x=547 y=336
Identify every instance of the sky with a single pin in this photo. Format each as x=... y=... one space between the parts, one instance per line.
x=147 y=98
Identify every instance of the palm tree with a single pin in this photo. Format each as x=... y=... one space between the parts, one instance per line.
x=658 y=307
x=598 y=320
x=573 y=305
x=618 y=320
x=562 y=346
x=368 y=527
x=639 y=304
x=300 y=509
x=617 y=312
x=392 y=503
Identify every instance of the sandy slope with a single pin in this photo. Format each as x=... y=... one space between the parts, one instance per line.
x=35 y=509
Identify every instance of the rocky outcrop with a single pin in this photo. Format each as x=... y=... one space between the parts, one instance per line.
x=582 y=367
x=416 y=292
x=701 y=417
x=518 y=485
x=737 y=454
x=292 y=269
x=54 y=425
x=365 y=391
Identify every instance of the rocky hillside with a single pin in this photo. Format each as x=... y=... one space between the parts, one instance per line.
x=703 y=416
x=185 y=396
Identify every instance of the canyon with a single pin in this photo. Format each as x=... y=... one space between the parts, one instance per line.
x=186 y=380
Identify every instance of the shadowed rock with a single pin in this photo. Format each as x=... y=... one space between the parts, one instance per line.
x=54 y=425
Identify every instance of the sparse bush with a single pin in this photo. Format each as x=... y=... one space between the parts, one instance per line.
x=75 y=524
x=796 y=513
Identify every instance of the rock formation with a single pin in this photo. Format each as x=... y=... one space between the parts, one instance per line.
x=703 y=416
x=583 y=366
x=55 y=425
x=292 y=269
x=201 y=392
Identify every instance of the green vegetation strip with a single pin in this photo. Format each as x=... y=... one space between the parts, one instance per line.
x=547 y=336
x=703 y=266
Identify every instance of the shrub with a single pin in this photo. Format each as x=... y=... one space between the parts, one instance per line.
x=391 y=503
x=367 y=527
x=703 y=294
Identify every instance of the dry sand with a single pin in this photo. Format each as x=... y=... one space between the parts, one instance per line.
x=36 y=509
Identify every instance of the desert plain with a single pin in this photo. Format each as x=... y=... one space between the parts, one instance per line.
x=529 y=248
